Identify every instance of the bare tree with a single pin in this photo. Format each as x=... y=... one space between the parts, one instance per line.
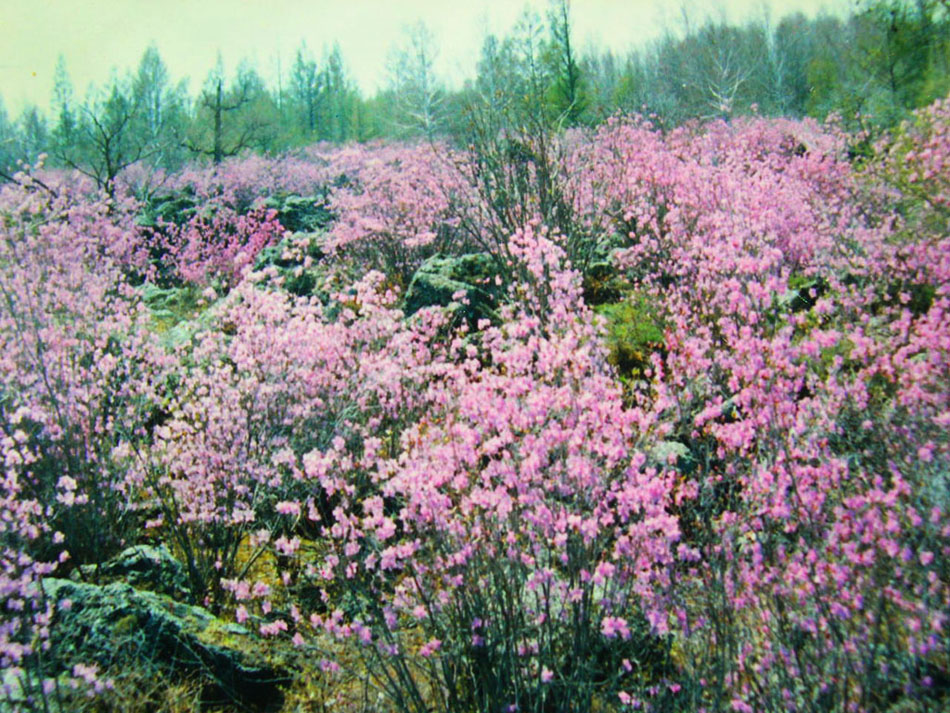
x=231 y=120
x=106 y=139
x=418 y=94
x=725 y=76
x=305 y=82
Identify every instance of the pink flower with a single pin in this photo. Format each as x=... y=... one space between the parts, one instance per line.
x=286 y=507
x=612 y=626
x=430 y=647
x=273 y=628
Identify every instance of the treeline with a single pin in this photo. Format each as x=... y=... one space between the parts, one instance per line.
x=884 y=60
x=872 y=67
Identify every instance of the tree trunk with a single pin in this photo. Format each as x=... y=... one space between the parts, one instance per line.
x=218 y=150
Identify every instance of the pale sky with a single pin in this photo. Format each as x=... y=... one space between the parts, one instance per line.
x=97 y=36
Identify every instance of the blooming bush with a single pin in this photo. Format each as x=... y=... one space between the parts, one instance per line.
x=270 y=380
x=395 y=208
x=913 y=162
x=735 y=497
x=216 y=248
x=241 y=181
x=72 y=342
x=71 y=338
x=795 y=378
x=514 y=549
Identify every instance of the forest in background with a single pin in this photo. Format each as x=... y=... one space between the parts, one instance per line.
x=871 y=69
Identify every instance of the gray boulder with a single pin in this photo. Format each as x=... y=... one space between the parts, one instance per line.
x=301 y=214
x=145 y=567
x=118 y=625
x=287 y=259
x=672 y=453
x=440 y=279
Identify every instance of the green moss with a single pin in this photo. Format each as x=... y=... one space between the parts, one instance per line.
x=126 y=626
x=170 y=306
x=227 y=634
x=634 y=332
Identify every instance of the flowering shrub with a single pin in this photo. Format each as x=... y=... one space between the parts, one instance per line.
x=514 y=548
x=223 y=219
x=70 y=337
x=395 y=208
x=734 y=499
x=269 y=381
x=217 y=248
x=240 y=182
x=914 y=163
x=817 y=518
x=72 y=343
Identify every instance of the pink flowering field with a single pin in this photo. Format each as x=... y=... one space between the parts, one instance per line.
x=693 y=455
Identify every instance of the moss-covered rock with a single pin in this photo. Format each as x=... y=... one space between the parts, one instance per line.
x=301 y=214
x=672 y=453
x=634 y=332
x=296 y=260
x=145 y=567
x=465 y=283
x=602 y=283
x=178 y=313
x=117 y=625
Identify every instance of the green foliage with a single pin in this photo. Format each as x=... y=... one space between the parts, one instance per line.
x=567 y=95
x=7 y=143
x=634 y=332
x=320 y=103
x=173 y=305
